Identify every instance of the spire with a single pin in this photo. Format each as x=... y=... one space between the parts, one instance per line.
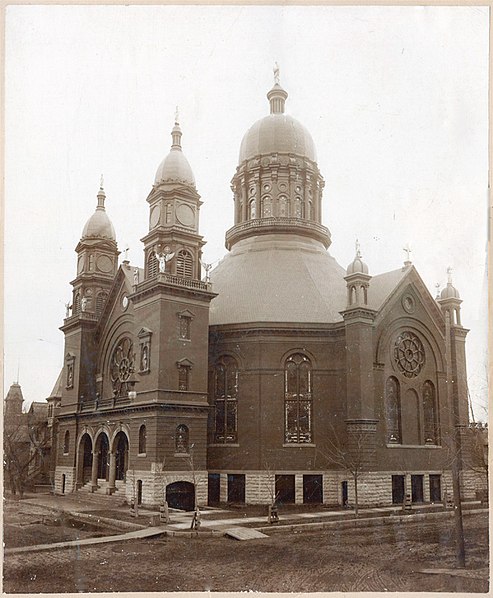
x=277 y=96
x=176 y=133
x=358 y=250
x=449 y=275
x=101 y=195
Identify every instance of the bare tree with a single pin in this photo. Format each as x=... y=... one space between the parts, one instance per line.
x=350 y=455
x=25 y=445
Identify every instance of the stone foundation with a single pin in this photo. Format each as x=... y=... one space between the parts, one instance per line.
x=70 y=480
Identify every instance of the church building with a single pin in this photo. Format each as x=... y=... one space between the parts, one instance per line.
x=278 y=375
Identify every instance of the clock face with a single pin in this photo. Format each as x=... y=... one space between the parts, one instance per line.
x=104 y=263
x=154 y=217
x=185 y=215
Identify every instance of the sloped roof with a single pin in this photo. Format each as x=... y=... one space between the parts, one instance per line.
x=38 y=411
x=382 y=285
x=57 y=389
x=278 y=278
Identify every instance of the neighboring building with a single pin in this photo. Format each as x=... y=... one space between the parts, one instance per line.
x=27 y=447
x=272 y=376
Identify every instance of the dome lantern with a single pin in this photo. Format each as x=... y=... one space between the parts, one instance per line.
x=99 y=226
x=175 y=167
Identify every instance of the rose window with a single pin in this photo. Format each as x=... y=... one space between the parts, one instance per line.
x=122 y=366
x=409 y=354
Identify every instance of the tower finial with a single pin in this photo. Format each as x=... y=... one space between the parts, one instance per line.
x=177 y=116
x=176 y=133
x=407 y=249
x=277 y=80
x=449 y=275
x=358 y=248
x=101 y=195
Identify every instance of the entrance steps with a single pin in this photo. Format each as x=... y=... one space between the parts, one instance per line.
x=102 y=488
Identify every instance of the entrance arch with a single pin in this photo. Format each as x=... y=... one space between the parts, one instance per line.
x=181 y=495
x=120 y=444
x=84 y=459
x=103 y=453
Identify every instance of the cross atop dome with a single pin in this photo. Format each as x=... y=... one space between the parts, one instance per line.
x=176 y=133
x=101 y=195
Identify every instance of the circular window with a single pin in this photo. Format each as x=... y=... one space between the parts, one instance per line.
x=266 y=187
x=121 y=366
x=124 y=302
x=409 y=354
x=408 y=303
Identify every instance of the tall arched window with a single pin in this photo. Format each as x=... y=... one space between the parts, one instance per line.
x=393 y=411
x=252 y=211
x=298 y=399
x=66 y=443
x=184 y=264
x=142 y=439
x=430 y=413
x=181 y=439
x=266 y=206
x=152 y=265
x=225 y=400
x=283 y=206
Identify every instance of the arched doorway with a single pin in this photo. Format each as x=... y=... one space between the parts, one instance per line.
x=103 y=454
x=181 y=495
x=85 y=459
x=121 y=455
x=139 y=492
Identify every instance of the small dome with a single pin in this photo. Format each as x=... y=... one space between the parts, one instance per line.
x=449 y=292
x=277 y=133
x=99 y=225
x=357 y=266
x=175 y=167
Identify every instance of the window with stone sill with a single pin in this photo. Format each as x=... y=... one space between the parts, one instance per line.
x=430 y=413
x=185 y=325
x=226 y=400
x=181 y=440
x=393 y=411
x=66 y=443
x=298 y=400
x=183 y=377
x=142 y=440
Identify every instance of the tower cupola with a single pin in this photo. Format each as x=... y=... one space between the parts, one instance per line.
x=450 y=301
x=175 y=167
x=99 y=225
x=358 y=281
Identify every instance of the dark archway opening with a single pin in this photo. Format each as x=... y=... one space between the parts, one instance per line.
x=103 y=452
x=121 y=455
x=85 y=459
x=312 y=489
x=63 y=484
x=139 y=492
x=181 y=495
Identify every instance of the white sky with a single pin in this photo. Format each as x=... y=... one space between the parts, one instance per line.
x=395 y=99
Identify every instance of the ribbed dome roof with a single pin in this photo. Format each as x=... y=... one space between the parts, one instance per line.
x=175 y=167
x=277 y=133
x=449 y=292
x=357 y=265
x=99 y=225
x=270 y=278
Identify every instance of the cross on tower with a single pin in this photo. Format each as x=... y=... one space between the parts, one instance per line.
x=407 y=249
x=125 y=252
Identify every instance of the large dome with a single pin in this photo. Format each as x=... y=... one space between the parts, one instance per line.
x=277 y=133
x=271 y=278
x=99 y=225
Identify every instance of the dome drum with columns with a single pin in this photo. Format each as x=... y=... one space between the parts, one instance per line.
x=266 y=364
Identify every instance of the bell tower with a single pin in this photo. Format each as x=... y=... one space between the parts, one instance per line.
x=173 y=244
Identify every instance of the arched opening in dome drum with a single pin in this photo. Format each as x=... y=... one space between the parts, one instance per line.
x=181 y=495
x=184 y=264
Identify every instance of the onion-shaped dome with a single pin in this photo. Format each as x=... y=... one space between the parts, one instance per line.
x=277 y=132
x=357 y=265
x=99 y=225
x=175 y=167
x=449 y=292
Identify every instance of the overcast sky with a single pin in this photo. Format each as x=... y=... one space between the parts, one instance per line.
x=394 y=97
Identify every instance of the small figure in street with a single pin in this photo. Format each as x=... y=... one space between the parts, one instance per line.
x=408 y=507
x=196 y=520
x=273 y=514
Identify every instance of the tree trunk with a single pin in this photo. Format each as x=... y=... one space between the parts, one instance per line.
x=356 y=496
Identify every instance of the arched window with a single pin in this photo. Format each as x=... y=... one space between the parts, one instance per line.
x=66 y=443
x=152 y=265
x=299 y=211
x=283 y=206
x=100 y=302
x=430 y=413
x=184 y=264
x=252 y=210
x=181 y=439
x=393 y=411
x=226 y=400
x=142 y=439
x=266 y=207
x=168 y=212
x=76 y=309
x=298 y=399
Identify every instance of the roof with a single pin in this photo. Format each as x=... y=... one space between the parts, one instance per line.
x=278 y=278
x=382 y=285
x=175 y=168
x=57 y=389
x=99 y=226
x=277 y=133
x=38 y=411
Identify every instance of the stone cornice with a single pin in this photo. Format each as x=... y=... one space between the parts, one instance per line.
x=125 y=409
x=262 y=328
